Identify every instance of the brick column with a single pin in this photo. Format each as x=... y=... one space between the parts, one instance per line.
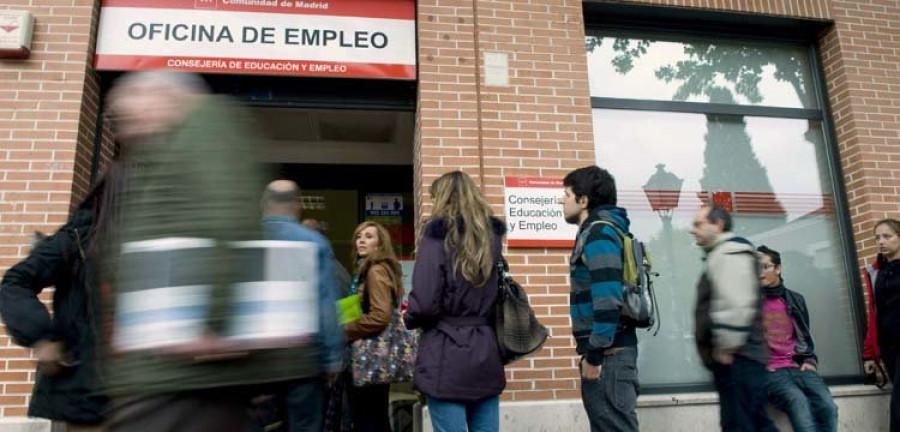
x=860 y=56
x=539 y=125
x=48 y=106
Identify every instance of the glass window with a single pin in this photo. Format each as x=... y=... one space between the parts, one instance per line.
x=700 y=71
x=774 y=170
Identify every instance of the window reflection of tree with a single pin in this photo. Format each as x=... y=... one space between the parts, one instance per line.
x=719 y=74
x=731 y=165
x=741 y=66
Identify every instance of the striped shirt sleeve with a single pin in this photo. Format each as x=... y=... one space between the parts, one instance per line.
x=603 y=258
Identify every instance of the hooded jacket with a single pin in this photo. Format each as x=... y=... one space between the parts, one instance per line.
x=459 y=359
x=728 y=313
x=73 y=395
x=887 y=306
x=597 y=294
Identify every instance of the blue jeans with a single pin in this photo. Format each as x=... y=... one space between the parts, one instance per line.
x=481 y=416
x=805 y=398
x=742 y=396
x=611 y=401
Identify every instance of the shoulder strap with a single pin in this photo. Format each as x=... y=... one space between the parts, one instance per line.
x=502 y=269
x=602 y=222
x=582 y=237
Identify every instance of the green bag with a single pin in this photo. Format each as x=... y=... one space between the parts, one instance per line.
x=349 y=309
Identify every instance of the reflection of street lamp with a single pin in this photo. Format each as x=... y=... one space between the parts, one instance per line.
x=663 y=190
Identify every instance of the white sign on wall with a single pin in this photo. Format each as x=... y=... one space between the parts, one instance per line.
x=496 y=69
x=338 y=38
x=534 y=213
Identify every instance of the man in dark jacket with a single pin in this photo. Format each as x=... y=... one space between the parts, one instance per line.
x=605 y=340
x=67 y=387
x=793 y=386
x=728 y=327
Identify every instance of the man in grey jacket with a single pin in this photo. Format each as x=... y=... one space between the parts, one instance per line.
x=728 y=327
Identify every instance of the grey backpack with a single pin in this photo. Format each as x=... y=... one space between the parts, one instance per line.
x=639 y=300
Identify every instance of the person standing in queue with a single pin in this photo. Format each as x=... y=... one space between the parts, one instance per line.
x=67 y=387
x=459 y=368
x=377 y=281
x=884 y=278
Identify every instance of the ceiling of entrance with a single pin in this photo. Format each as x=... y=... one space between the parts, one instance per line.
x=293 y=135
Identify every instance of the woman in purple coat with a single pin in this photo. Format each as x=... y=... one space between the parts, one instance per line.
x=454 y=290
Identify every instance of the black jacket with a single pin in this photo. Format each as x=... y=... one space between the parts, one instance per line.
x=805 y=348
x=887 y=303
x=59 y=260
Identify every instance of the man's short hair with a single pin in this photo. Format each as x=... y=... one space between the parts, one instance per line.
x=719 y=214
x=771 y=253
x=596 y=183
x=278 y=193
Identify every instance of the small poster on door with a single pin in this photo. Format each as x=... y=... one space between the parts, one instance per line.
x=384 y=204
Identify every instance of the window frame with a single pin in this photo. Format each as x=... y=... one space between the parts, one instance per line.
x=678 y=24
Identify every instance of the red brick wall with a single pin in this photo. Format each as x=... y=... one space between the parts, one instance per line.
x=48 y=104
x=540 y=125
x=860 y=56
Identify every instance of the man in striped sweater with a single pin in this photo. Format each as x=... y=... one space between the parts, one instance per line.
x=605 y=340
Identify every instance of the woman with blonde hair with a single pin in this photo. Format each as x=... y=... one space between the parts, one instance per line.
x=378 y=282
x=458 y=368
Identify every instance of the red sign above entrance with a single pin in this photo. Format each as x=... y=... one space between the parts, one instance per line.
x=346 y=38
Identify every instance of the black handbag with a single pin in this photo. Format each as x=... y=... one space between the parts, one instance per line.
x=519 y=333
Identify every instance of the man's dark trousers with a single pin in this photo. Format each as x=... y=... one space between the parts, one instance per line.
x=742 y=396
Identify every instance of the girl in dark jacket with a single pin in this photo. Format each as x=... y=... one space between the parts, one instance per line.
x=378 y=282
x=887 y=309
x=454 y=290
x=66 y=388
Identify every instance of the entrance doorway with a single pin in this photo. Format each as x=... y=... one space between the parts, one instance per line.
x=342 y=140
x=351 y=165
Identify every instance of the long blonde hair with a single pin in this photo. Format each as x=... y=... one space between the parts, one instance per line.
x=466 y=217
